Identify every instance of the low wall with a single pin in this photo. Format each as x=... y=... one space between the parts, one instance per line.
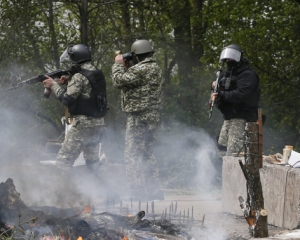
x=281 y=190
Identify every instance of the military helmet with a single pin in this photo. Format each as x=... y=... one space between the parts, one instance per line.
x=141 y=47
x=232 y=51
x=78 y=53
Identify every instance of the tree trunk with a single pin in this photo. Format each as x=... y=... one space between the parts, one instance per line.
x=84 y=22
x=199 y=26
x=126 y=23
x=53 y=34
x=255 y=198
x=183 y=41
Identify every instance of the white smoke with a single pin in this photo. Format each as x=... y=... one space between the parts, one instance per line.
x=179 y=147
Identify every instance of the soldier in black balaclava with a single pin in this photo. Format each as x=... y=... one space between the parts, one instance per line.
x=238 y=98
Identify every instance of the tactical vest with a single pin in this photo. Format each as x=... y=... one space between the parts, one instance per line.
x=247 y=109
x=96 y=105
x=227 y=82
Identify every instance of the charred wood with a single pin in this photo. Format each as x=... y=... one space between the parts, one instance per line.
x=12 y=207
x=88 y=225
x=5 y=230
x=92 y=226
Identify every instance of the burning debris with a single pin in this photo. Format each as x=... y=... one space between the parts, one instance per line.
x=106 y=225
x=85 y=225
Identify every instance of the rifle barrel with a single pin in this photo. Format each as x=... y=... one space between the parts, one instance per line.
x=39 y=78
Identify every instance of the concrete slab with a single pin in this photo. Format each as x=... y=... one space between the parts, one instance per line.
x=280 y=186
x=233 y=185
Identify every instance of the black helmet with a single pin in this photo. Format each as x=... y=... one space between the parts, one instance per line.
x=78 y=53
x=141 y=47
x=232 y=51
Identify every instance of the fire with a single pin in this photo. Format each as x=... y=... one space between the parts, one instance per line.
x=79 y=238
x=87 y=210
x=125 y=238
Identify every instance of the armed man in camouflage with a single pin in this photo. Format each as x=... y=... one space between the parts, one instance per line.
x=141 y=87
x=81 y=92
x=238 y=99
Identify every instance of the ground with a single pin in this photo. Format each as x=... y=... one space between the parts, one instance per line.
x=217 y=225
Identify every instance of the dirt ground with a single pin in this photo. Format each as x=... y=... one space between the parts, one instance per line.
x=217 y=225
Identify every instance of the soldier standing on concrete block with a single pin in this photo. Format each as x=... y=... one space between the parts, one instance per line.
x=140 y=79
x=85 y=97
x=237 y=98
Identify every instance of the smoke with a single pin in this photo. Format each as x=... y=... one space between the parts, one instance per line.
x=188 y=161
x=23 y=139
x=214 y=233
x=18 y=131
x=187 y=157
x=208 y=164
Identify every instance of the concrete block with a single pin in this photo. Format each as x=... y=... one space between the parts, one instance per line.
x=281 y=194
x=273 y=179
x=292 y=193
x=233 y=185
x=280 y=185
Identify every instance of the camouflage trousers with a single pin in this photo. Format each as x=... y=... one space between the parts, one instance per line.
x=141 y=165
x=83 y=136
x=232 y=136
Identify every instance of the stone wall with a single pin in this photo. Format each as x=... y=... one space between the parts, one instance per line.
x=281 y=190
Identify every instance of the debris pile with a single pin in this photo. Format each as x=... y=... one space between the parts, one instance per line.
x=86 y=225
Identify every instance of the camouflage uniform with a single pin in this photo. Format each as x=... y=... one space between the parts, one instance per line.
x=85 y=132
x=141 y=95
x=232 y=136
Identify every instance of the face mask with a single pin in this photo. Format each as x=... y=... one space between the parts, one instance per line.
x=232 y=64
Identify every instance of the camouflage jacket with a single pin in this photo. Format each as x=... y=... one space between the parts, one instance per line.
x=79 y=85
x=141 y=85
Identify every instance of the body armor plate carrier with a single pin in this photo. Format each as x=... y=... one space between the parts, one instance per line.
x=96 y=105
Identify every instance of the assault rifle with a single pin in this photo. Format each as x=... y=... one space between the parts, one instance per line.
x=40 y=78
x=215 y=90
